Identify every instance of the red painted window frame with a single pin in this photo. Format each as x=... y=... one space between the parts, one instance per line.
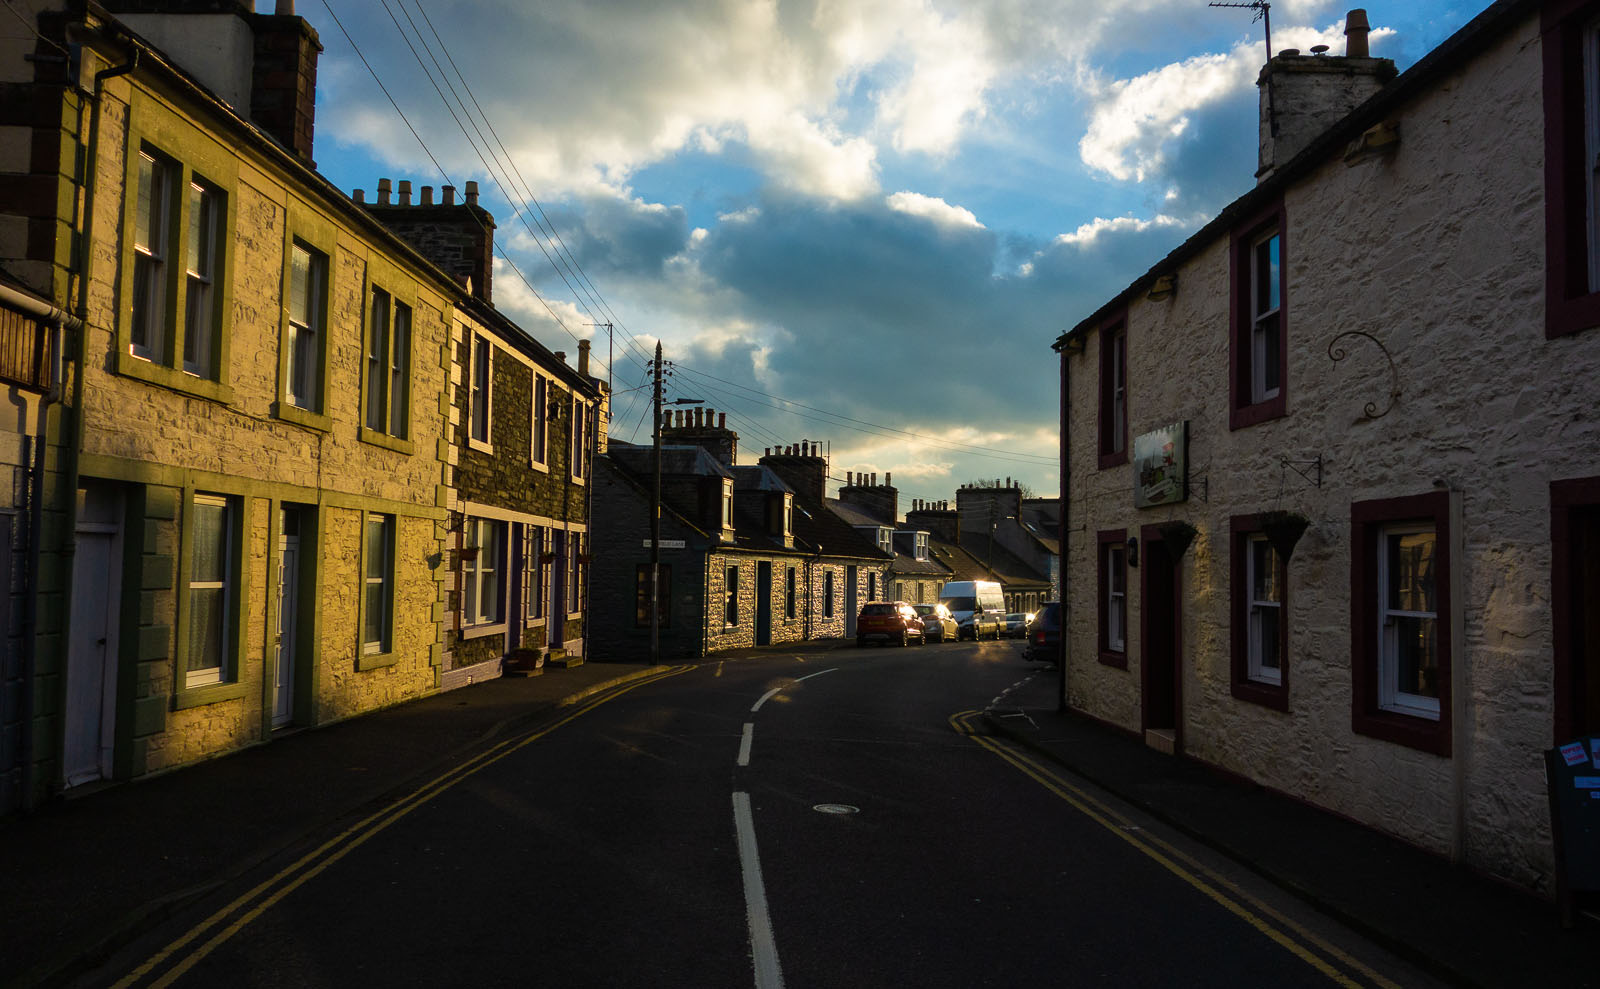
x=1570 y=306
x=1367 y=518
x=1113 y=343
x=1242 y=412
x=1109 y=656
x=1276 y=696
x=1566 y=497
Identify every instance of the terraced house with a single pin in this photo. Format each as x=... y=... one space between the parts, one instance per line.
x=245 y=515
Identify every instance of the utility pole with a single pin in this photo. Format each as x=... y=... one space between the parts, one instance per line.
x=655 y=522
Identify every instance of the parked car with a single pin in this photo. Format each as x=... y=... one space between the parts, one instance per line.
x=1044 y=634
x=938 y=625
x=889 y=621
x=1015 y=625
x=977 y=605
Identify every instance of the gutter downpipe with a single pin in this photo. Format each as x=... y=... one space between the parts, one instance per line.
x=1066 y=348
x=1458 y=677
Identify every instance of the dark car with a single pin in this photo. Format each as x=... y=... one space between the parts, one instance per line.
x=889 y=621
x=1014 y=625
x=1044 y=634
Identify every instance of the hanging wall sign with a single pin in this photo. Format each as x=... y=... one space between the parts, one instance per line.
x=1161 y=466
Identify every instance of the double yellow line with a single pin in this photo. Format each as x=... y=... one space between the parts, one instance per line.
x=1310 y=948
x=232 y=918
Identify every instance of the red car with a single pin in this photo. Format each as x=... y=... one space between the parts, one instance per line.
x=891 y=621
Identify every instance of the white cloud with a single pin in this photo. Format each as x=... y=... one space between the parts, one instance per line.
x=1087 y=234
x=932 y=208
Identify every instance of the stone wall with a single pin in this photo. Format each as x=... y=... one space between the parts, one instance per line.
x=1437 y=252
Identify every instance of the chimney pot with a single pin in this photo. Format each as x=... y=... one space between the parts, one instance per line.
x=284 y=8
x=886 y=482
x=583 y=357
x=722 y=420
x=561 y=356
x=360 y=195
x=405 y=192
x=384 y=187
x=447 y=195
x=427 y=195
x=472 y=193
x=1355 y=33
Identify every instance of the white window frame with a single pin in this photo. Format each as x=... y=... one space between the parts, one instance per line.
x=480 y=408
x=1116 y=597
x=384 y=580
x=575 y=574
x=222 y=672
x=580 y=418
x=533 y=575
x=154 y=213
x=727 y=504
x=1265 y=321
x=307 y=317
x=539 y=433
x=1390 y=696
x=202 y=256
x=387 y=403
x=1256 y=609
x=486 y=568
x=921 y=544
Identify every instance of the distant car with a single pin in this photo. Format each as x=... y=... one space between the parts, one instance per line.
x=937 y=623
x=1044 y=635
x=889 y=621
x=1015 y=625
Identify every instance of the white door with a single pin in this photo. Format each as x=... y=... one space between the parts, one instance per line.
x=288 y=597
x=92 y=641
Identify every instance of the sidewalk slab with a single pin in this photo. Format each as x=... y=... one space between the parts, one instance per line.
x=1454 y=923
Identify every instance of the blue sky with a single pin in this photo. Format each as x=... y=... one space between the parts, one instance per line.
x=851 y=222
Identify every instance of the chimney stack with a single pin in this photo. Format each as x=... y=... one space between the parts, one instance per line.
x=1355 y=33
x=583 y=357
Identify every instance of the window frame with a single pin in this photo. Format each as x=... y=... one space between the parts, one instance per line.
x=1369 y=521
x=1108 y=542
x=1245 y=408
x=1114 y=392
x=578 y=414
x=539 y=425
x=1570 y=32
x=1243 y=531
x=533 y=543
x=315 y=234
x=730 y=596
x=480 y=391
x=790 y=585
x=401 y=296
x=373 y=654
x=192 y=156
x=484 y=566
x=577 y=568
x=190 y=691
x=827 y=594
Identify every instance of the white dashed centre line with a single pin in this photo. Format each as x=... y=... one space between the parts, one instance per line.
x=763 y=948
x=744 y=744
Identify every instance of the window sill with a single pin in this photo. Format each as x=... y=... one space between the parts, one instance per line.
x=1115 y=660
x=166 y=377
x=1567 y=317
x=1110 y=460
x=536 y=465
x=386 y=441
x=481 y=631
x=1275 y=696
x=211 y=693
x=1245 y=416
x=1423 y=734
x=289 y=412
x=376 y=660
x=482 y=446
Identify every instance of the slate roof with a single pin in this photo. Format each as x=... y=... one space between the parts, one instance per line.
x=905 y=560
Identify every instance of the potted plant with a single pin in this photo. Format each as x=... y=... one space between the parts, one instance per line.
x=1177 y=535
x=524 y=662
x=1283 y=529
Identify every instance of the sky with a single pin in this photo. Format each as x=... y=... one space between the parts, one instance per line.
x=859 y=223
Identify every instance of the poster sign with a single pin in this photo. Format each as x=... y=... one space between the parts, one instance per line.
x=1575 y=821
x=1161 y=466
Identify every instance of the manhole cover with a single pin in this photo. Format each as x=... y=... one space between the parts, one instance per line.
x=836 y=809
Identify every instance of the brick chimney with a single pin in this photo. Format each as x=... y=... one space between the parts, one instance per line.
x=695 y=428
x=802 y=467
x=1304 y=94
x=881 y=501
x=457 y=237
x=263 y=65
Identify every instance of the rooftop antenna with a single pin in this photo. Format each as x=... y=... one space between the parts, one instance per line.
x=1263 y=11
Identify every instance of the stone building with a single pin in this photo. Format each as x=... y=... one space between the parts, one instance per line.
x=1328 y=467
x=873 y=510
x=995 y=526
x=245 y=519
x=524 y=430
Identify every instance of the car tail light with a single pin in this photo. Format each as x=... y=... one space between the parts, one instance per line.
x=1038 y=637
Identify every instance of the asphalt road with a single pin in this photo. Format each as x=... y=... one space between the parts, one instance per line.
x=831 y=819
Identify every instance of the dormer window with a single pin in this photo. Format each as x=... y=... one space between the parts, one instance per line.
x=886 y=540
x=727 y=505
x=922 y=546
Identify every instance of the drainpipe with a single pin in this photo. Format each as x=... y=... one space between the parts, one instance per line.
x=1458 y=678
x=1065 y=469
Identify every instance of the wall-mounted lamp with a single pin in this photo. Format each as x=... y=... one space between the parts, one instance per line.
x=1133 y=552
x=1070 y=344
x=1164 y=287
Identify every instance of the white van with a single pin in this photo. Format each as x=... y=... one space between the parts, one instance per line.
x=978 y=606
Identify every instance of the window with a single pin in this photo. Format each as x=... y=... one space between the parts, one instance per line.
x=377 y=574
x=541 y=420
x=308 y=306
x=1257 y=347
x=886 y=539
x=827 y=594
x=1400 y=594
x=148 y=332
x=201 y=324
x=209 y=657
x=922 y=546
x=480 y=571
x=1571 y=34
x=641 y=607
x=872 y=586
x=1260 y=632
x=388 y=409
x=532 y=573
x=788 y=593
x=478 y=415
x=1113 y=597
x=580 y=418
x=575 y=572
x=727 y=504
x=1114 y=395
x=730 y=598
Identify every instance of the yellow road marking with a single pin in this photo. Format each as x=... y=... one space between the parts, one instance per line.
x=352 y=837
x=719 y=669
x=1190 y=871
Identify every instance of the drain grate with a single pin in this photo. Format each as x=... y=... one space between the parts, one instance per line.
x=836 y=809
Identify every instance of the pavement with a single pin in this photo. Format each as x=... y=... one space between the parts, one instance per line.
x=1455 y=924
x=85 y=876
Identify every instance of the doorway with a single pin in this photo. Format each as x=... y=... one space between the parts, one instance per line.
x=1575 y=605
x=850 y=602
x=763 y=603
x=91 y=689
x=286 y=661
x=1161 y=645
x=556 y=609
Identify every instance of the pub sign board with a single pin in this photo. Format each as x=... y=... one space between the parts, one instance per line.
x=1161 y=466
x=1573 y=774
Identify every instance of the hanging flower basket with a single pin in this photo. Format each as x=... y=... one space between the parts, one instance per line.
x=583 y=557
x=1283 y=530
x=469 y=553
x=547 y=558
x=1176 y=536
